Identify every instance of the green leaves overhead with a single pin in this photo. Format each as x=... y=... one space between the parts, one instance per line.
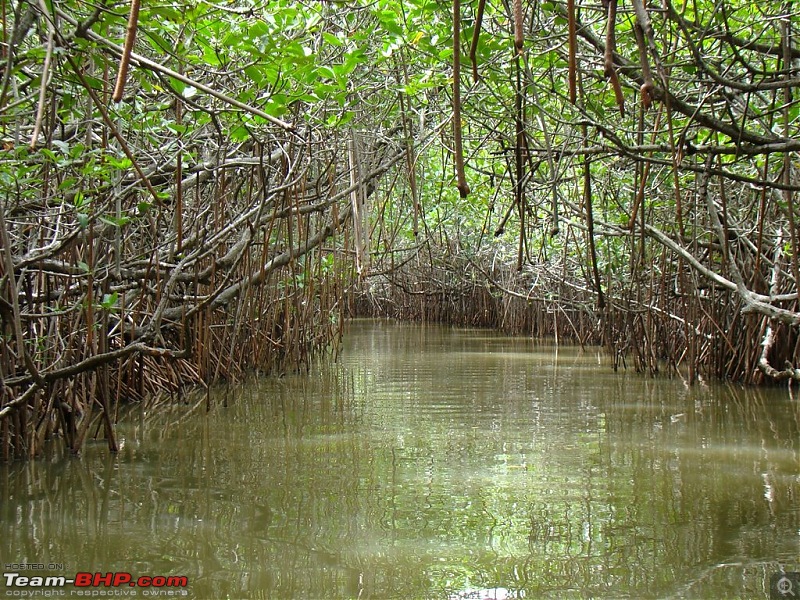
x=373 y=65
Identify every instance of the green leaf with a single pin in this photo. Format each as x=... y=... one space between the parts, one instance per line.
x=331 y=39
x=211 y=56
x=49 y=154
x=119 y=162
x=794 y=112
x=62 y=146
x=239 y=134
x=158 y=42
x=326 y=71
x=276 y=105
x=177 y=85
x=165 y=12
x=179 y=129
x=67 y=184
x=116 y=221
x=256 y=73
x=109 y=301
x=353 y=59
x=259 y=29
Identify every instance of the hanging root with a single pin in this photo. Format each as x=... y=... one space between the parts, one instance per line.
x=125 y=59
x=519 y=24
x=608 y=64
x=648 y=87
x=463 y=188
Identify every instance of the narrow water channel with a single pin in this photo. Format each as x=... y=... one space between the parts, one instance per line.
x=432 y=463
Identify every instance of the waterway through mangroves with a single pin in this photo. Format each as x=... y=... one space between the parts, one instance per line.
x=428 y=462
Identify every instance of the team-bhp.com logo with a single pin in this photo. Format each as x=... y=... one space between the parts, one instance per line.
x=94 y=584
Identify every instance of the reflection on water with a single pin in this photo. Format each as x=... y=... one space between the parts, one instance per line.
x=432 y=462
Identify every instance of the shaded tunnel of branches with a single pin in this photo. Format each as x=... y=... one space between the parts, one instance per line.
x=646 y=162
x=139 y=261
x=188 y=193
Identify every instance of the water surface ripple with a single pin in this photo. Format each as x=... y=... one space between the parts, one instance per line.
x=432 y=462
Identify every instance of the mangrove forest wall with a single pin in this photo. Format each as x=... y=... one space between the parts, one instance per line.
x=189 y=191
x=622 y=175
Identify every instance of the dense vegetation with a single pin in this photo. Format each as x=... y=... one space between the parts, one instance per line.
x=190 y=190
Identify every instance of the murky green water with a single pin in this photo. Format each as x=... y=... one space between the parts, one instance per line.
x=431 y=463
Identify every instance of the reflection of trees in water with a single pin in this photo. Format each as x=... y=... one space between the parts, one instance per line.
x=718 y=513
x=349 y=482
